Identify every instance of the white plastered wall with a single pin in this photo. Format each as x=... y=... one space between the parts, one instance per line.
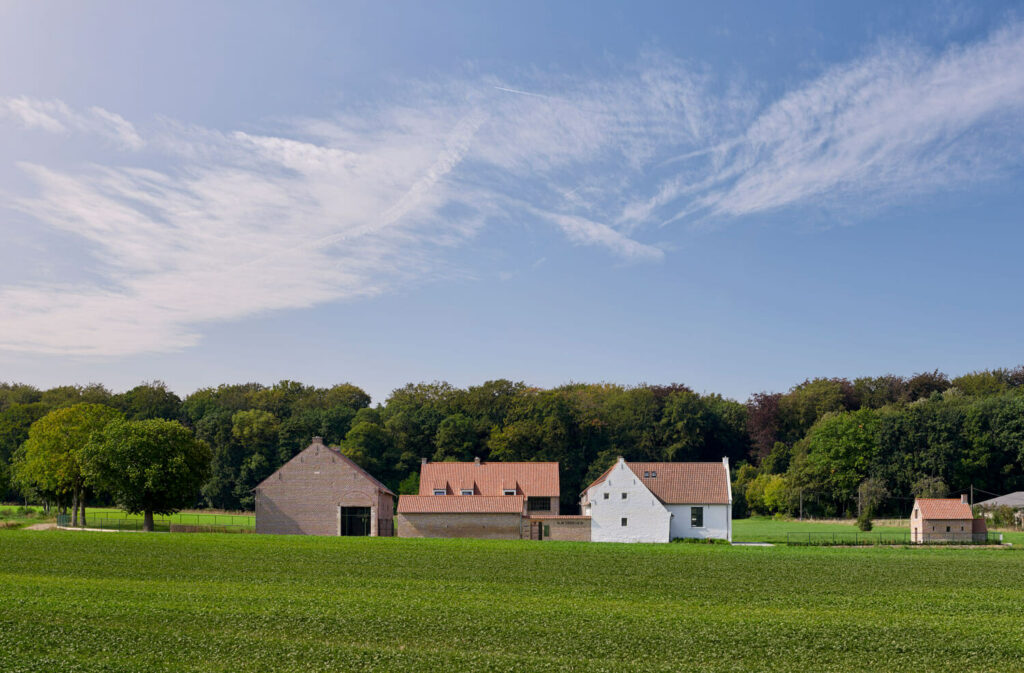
x=716 y=522
x=647 y=520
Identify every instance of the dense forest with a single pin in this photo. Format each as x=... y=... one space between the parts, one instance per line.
x=829 y=446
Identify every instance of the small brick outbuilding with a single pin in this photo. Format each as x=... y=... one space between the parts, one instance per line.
x=323 y=492
x=945 y=520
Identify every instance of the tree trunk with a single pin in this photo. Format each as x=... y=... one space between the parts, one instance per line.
x=74 y=509
x=81 y=499
x=147 y=521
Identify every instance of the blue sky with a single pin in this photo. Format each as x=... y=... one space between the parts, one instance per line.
x=736 y=196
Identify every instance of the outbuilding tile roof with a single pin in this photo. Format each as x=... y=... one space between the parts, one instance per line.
x=944 y=508
x=461 y=504
x=534 y=479
x=682 y=483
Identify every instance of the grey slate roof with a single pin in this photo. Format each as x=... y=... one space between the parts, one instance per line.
x=1015 y=499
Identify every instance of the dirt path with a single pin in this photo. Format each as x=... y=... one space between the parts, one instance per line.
x=41 y=526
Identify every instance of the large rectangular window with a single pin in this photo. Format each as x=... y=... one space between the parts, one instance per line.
x=538 y=504
x=696 y=517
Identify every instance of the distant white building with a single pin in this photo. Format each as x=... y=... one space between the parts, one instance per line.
x=658 y=502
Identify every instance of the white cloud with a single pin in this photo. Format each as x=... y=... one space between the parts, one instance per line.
x=55 y=116
x=225 y=225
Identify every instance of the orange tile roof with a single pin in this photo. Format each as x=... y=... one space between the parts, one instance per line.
x=682 y=483
x=461 y=504
x=491 y=479
x=944 y=508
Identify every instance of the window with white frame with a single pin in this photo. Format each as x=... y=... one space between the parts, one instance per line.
x=467 y=491
x=509 y=491
x=439 y=491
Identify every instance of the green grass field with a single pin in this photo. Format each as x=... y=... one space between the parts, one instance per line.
x=134 y=602
x=16 y=516
x=110 y=517
x=766 y=529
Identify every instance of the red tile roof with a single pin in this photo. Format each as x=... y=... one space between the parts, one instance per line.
x=491 y=479
x=461 y=504
x=944 y=508
x=682 y=483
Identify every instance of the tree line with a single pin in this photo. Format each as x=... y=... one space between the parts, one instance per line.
x=827 y=446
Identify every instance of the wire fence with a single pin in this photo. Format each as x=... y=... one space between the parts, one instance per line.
x=891 y=538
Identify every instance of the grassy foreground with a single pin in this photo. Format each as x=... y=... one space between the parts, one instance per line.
x=135 y=602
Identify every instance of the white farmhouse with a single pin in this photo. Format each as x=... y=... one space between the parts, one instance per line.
x=658 y=502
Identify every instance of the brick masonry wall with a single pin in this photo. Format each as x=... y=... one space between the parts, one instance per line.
x=934 y=530
x=303 y=497
x=490 y=526
x=575 y=530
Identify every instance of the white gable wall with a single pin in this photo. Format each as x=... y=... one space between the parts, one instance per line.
x=647 y=520
x=716 y=522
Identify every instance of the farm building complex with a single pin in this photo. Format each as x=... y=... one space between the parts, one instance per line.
x=945 y=520
x=322 y=492
x=660 y=502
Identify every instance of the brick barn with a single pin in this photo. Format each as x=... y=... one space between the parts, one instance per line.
x=322 y=492
x=482 y=499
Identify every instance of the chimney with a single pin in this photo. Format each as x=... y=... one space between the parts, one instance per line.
x=423 y=460
x=476 y=460
x=963 y=498
x=318 y=440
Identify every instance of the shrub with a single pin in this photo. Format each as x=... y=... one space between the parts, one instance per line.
x=864 y=521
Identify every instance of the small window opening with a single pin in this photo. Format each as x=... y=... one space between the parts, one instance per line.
x=439 y=491
x=606 y=496
x=623 y=496
x=647 y=474
x=624 y=521
x=509 y=491
x=467 y=491
x=654 y=474
x=696 y=517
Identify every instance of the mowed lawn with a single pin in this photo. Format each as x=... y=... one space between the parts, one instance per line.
x=766 y=529
x=208 y=602
x=117 y=518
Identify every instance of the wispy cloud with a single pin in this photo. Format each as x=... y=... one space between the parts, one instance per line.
x=216 y=226
x=900 y=120
x=56 y=117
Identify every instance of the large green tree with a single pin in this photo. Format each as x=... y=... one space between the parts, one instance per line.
x=148 y=467
x=51 y=459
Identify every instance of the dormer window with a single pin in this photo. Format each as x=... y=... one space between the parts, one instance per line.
x=509 y=491
x=647 y=474
x=467 y=491
x=654 y=474
x=439 y=491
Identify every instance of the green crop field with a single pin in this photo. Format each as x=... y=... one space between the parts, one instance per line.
x=78 y=601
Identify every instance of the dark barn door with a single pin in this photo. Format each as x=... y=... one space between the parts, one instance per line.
x=355 y=520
